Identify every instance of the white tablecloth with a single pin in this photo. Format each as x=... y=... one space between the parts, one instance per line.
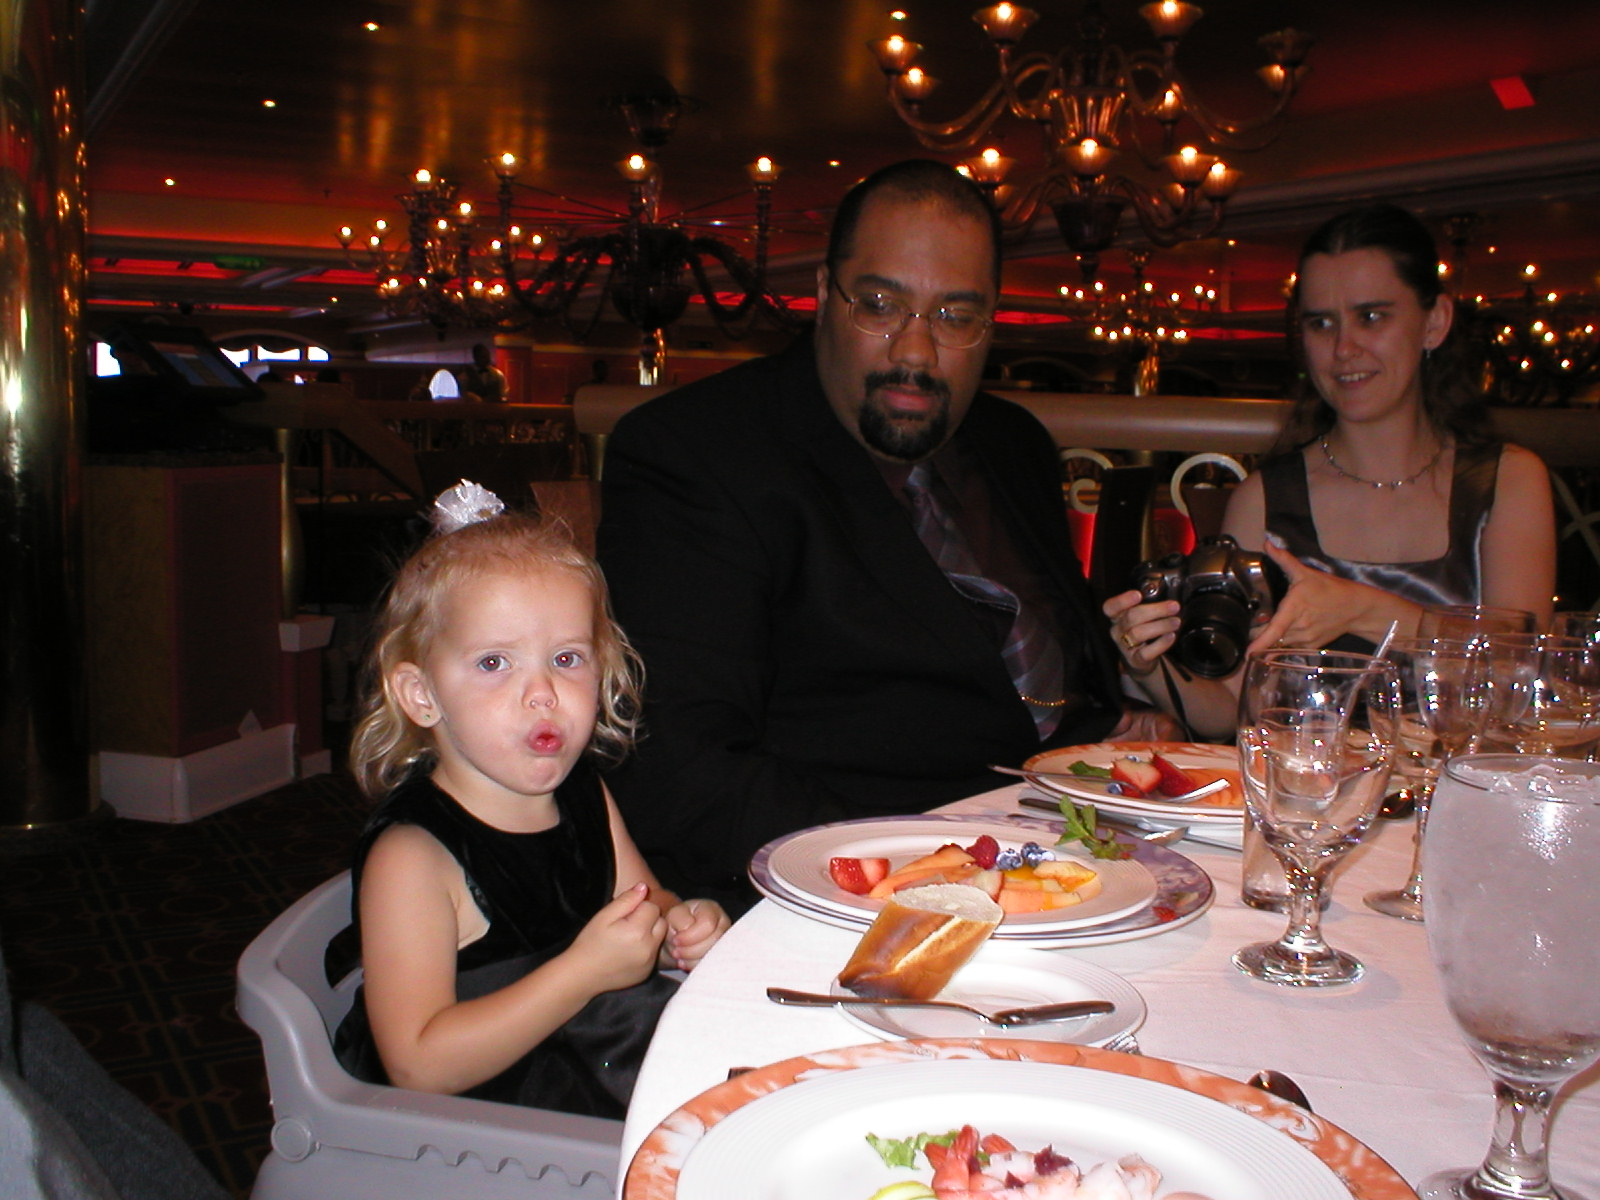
x=1380 y=1057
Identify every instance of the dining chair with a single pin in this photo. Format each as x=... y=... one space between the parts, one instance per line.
x=337 y=1138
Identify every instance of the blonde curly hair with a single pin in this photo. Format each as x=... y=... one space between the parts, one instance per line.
x=386 y=744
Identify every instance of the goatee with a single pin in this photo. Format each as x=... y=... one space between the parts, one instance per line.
x=903 y=438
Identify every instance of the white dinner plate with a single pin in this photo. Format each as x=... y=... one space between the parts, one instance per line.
x=1222 y=808
x=1011 y=975
x=1101 y=1112
x=1183 y=893
x=799 y=862
x=809 y=1140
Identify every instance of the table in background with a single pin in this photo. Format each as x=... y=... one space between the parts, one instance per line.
x=1381 y=1057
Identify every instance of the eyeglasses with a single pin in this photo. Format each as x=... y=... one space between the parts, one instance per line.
x=954 y=328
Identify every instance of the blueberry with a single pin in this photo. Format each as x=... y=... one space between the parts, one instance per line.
x=1008 y=860
x=1033 y=854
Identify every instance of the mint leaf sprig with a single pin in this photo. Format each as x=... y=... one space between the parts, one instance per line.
x=1081 y=823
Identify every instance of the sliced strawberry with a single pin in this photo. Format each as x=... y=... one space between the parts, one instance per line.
x=1175 y=781
x=857 y=875
x=1142 y=777
x=984 y=851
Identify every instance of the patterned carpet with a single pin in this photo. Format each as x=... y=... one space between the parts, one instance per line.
x=129 y=931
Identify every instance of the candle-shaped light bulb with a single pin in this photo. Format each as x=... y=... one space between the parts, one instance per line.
x=345 y=234
x=763 y=172
x=1004 y=24
x=914 y=86
x=894 y=54
x=507 y=165
x=423 y=179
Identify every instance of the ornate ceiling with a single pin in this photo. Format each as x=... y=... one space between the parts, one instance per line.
x=1399 y=105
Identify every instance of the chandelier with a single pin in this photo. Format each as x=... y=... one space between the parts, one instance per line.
x=1141 y=318
x=1109 y=119
x=1543 y=348
x=558 y=257
x=1535 y=347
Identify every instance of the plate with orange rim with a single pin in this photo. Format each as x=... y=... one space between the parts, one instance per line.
x=1207 y=762
x=1216 y=1134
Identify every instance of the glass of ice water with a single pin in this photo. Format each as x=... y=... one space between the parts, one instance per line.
x=1317 y=740
x=1513 y=891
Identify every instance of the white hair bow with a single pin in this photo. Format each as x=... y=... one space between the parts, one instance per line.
x=465 y=504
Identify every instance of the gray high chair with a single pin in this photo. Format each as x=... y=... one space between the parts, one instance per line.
x=336 y=1138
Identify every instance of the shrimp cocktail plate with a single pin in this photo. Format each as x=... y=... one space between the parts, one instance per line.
x=1009 y=1120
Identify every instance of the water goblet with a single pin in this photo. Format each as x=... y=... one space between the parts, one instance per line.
x=1317 y=739
x=1585 y=626
x=1472 y=622
x=1512 y=895
x=1444 y=704
x=1545 y=692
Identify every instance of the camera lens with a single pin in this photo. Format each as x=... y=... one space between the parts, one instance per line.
x=1214 y=634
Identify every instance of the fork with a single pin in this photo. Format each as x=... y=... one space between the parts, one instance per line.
x=1009 y=1018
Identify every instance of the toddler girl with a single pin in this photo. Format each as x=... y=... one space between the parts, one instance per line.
x=510 y=931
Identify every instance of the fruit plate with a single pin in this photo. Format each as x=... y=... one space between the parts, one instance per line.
x=1183 y=893
x=1010 y=975
x=797 y=1128
x=1226 y=806
x=799 y=863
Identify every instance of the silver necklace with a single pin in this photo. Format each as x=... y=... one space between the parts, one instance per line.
x=1381 y=484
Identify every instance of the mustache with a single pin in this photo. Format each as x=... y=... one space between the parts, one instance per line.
x=920 y=380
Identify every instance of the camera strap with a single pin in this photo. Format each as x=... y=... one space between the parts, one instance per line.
x=1178 y=711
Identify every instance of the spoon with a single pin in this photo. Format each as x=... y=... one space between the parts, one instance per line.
x=1009 y=1018
x=1276 y=1083
x=1145 y=831
x=1205 y=789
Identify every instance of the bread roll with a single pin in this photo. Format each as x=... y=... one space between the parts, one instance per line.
x=923 y=936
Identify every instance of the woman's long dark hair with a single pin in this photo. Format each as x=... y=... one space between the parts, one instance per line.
x=1450 y=396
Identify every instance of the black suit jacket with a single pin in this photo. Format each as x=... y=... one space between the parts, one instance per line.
x=806 y=660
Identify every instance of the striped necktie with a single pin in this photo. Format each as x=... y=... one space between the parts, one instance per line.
x=1032 y=657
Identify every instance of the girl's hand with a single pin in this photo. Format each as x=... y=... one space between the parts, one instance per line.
x=1143 y=632
x=618 y=946
x=694 y=926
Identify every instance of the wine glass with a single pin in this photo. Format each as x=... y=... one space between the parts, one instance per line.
x=1317 y=737
x=1512 y=898
x=1545 y=692
x=1472 y=622
x=1444 y=704
x=1585 y=626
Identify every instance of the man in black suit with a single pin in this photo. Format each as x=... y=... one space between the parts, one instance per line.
x=848 y=572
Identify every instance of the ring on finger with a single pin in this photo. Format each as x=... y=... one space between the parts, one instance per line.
x=1129 y=641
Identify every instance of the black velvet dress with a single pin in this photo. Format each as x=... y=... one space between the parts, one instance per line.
x=537 y=890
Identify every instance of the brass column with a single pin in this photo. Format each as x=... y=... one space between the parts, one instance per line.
x=43 y=755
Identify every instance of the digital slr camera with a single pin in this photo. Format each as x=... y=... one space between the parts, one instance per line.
x=1224 y=591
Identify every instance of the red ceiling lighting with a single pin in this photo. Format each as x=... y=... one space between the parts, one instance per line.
x=1512 y=92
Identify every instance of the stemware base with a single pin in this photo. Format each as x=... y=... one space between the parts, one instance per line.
x=1273 y=962
x=1465 y=1183
x=1397 y=903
